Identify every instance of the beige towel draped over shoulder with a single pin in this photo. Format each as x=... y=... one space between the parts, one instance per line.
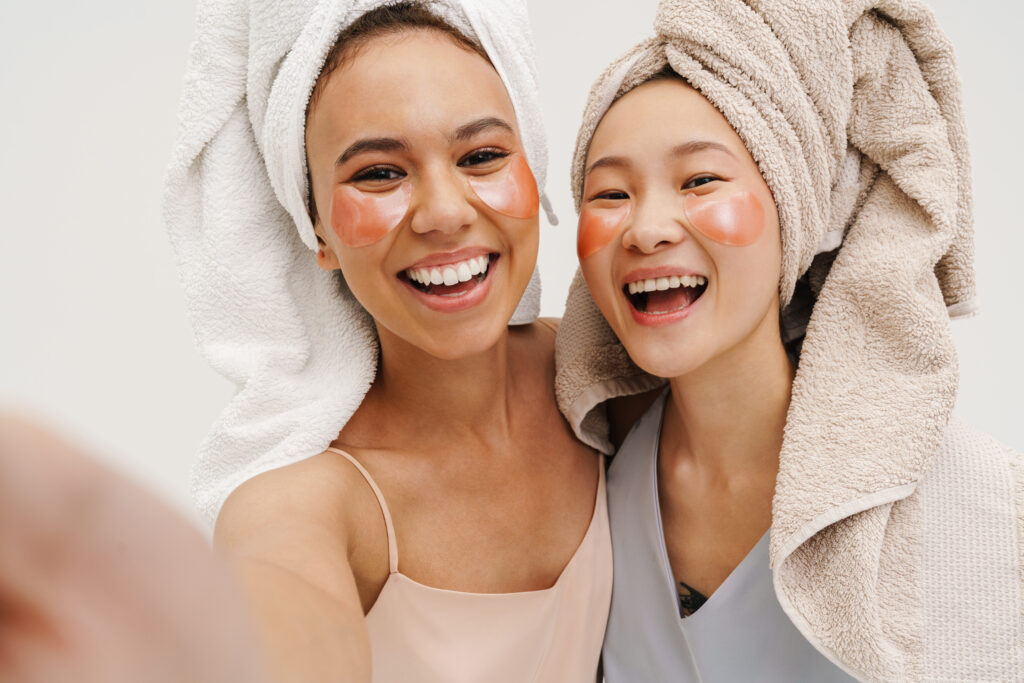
x=852 y=111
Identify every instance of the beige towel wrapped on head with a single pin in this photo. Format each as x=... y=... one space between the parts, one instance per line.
x=852 y=111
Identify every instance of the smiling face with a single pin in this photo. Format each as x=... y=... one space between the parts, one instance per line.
x=424 y=197
x=678 y=235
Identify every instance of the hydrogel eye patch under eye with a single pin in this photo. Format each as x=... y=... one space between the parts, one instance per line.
x=362 y=218
x=512 y=191
x=736 y=220
x=598 y=227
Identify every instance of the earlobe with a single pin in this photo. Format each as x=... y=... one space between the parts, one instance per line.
x=325 y=256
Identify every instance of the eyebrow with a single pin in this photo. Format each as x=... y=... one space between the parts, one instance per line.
x=469 y=130
x=607 y=162
x=695 y=146
x=371 y=145
x=461 y=134
x=691 y=147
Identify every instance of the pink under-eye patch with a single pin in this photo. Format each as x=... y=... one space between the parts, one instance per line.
x=736 y=220
x=512 y=191
x=362 y=218
x=598 y=227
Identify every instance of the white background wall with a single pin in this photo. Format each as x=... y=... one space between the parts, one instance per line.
x=93 y=333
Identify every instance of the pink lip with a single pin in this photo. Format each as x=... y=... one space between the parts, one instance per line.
x=448 y=257
x=654 y=273
x=455 y=304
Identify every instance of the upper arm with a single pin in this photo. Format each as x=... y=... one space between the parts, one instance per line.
x=286 y=532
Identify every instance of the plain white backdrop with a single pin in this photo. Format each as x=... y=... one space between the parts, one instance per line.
x=93 y=333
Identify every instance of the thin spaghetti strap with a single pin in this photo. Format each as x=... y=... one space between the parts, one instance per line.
x=392 y=543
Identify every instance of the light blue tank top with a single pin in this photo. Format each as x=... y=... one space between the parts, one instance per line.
x=739 y=634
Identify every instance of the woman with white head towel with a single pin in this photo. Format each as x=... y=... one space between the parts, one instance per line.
x=393 y=478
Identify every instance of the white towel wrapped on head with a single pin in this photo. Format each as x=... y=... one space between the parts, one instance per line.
x=300 y=349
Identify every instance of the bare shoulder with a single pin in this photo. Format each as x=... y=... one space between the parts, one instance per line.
x=538 y=341
x=541 y=331
x=550 y=323
x=303 y=517
x=288 y=532
x=295 y=494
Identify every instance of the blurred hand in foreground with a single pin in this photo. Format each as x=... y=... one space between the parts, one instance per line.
x=100 y=582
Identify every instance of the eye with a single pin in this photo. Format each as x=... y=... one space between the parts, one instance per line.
x=481 y=157
x=378 y=174
x=611 y=194
x=698 y=181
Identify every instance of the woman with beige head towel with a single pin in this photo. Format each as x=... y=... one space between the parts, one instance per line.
x=775 y=216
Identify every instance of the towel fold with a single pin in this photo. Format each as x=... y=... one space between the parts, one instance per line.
x=300 y=349
x=852 y=111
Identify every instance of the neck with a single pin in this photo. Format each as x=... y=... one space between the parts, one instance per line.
x=727 y=416
x=469 y=396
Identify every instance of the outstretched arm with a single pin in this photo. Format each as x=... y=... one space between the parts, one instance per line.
x=101 y=582
x=285 y=531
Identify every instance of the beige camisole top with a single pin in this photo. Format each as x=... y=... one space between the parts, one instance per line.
x=428 y=635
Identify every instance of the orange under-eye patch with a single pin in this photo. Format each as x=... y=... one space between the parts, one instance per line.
x=598 y=227
x=736 y=220
x=512 y=191
x=361 y=218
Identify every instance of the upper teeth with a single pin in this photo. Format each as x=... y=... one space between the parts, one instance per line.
x=660 y=284
x=451 y=274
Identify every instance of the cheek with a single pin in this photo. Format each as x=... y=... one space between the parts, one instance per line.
x=597 y=272
x=747 y=282
x=511 y=192
x=597 y=228
x=736 y=221
x=360 y=219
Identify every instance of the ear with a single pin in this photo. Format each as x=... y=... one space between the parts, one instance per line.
x=325 y=256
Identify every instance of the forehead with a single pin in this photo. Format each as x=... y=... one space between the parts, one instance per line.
x=654 y=117
x=409 y=83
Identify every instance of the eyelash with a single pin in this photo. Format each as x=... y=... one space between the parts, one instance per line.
x=490 y=153
x=384 y=173
x=612 y=194
x=694 y=182
x=616 y=195
x=374 y=173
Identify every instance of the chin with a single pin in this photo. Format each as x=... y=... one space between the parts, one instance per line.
x=456 y=342
x=662 y=353
x=665 y=364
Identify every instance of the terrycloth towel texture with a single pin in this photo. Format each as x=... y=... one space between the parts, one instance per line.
x=852 y=112
x=300 y=349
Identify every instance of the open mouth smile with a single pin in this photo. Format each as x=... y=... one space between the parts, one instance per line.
x=451 y=286
x=453 y=279
x=670 y=296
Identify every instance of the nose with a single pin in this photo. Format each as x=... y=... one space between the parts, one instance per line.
x=441 y=203
x=655 y=222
